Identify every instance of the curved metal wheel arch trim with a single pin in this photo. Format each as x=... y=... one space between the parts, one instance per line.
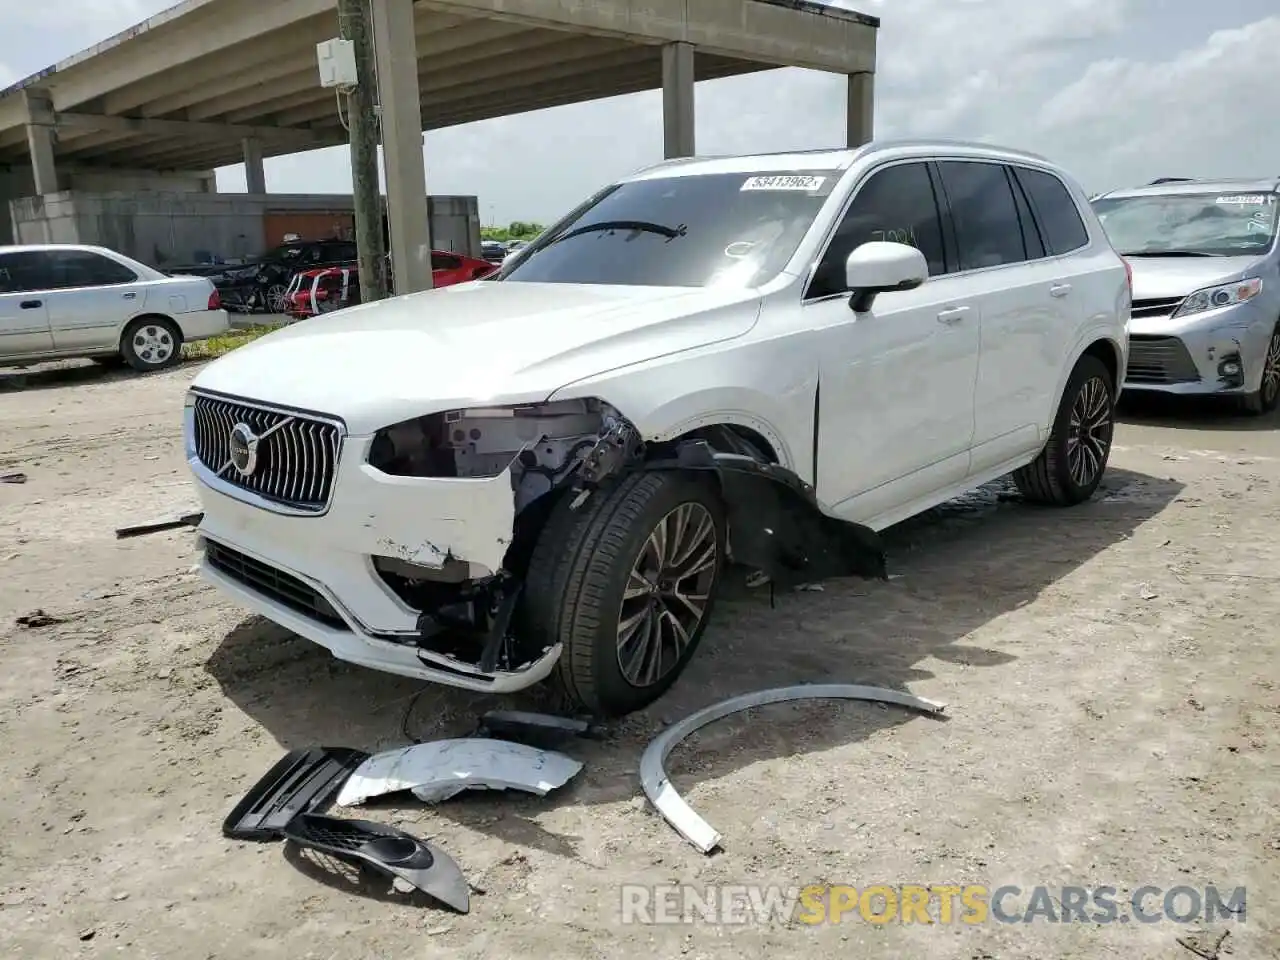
x=668 y=802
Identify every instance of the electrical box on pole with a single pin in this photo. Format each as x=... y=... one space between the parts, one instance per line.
x=337 y=60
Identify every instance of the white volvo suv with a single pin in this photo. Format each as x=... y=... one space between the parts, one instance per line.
x=758 y=359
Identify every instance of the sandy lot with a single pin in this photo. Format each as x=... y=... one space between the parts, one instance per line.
x=1111 y=675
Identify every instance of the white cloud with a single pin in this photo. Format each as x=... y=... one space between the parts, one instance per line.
x=1120 y=91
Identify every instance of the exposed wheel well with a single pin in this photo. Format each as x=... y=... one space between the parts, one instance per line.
x=733 y=438
x=1106 y=351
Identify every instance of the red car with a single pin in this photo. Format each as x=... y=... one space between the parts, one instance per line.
x=325 y=289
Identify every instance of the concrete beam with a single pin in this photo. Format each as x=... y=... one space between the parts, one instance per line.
x=40 y=137
x=677 y=100
x=255 y=174
x=461 y=44
x=153 y=53
x=183 y=128
x=747 y=29
x=499 y=77
x=622 y=80
x=401 y=110
x=860 y=121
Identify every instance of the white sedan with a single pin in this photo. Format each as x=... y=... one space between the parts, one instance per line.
x=64 y=300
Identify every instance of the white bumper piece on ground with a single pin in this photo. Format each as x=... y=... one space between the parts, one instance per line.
x=442 y=769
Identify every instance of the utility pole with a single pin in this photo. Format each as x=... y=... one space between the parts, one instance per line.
x=362 y=123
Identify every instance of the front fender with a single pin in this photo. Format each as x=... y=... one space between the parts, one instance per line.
x=668 y=398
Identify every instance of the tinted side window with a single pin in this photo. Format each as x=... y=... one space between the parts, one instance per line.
x=986 y=218
x=1060 y=221
x=441 y=261
x=80 y=268
x=896 y=203
x=1030 y=230
x=20 y=272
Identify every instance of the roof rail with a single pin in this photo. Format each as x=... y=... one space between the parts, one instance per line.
x=1158 y=180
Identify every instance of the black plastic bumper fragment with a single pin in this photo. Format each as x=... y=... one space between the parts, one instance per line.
x=775 y=523
x=303 y=781
x=535 y=729
x=386 y=849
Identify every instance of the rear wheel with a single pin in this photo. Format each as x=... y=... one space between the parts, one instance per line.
x=626 y=584
x=151 y=343
x=1072 y=463
x=1267 y=397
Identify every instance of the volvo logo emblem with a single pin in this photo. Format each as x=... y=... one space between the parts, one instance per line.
x=244 y=449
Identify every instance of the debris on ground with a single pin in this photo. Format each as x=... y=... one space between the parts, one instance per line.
x=13 y=478
x=442 y=769
x=672 y=806
x=393 y=852
x=1204 y=944
x=38 y=618
x=159 y=526
x=534 y=729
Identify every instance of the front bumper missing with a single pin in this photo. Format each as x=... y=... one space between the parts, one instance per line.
x=339 y=632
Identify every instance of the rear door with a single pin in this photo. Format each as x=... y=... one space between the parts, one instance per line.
x=24 y=318
x=92 y=297
x=1025 y=306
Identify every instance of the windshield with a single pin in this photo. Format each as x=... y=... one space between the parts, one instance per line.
x=1190 y=224
x=731 y=229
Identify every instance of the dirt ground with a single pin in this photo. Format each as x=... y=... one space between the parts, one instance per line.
x=1110 y=674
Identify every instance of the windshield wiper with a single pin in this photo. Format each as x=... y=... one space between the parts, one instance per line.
x=642 y=226
x=1168 y=253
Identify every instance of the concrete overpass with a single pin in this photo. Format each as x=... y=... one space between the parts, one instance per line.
x=210 y=83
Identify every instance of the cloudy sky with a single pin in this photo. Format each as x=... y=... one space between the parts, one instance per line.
x=1119 y=91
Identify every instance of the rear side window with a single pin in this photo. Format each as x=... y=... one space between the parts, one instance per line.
x=896 y=204
x=988 y=233
x=20 y=272
x=442 y=261
x=81 y=268
x=1056 y=212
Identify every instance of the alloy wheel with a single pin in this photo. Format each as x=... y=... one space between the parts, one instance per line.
x=276 y=297
x=153 y=344
x=1271 y=370
x=1089 y=437
x=667 y=592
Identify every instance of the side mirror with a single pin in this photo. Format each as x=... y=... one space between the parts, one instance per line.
x=881 y=267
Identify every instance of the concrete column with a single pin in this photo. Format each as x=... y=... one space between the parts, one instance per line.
x=396 y=48
x=255 y=172
x=40 y=138
x=861 y=116
x=677 y=100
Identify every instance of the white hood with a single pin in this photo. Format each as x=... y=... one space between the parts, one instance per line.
x=1156 y=278
x=484 y=342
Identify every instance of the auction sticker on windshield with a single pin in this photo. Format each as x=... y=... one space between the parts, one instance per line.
x=1247 y=199
x=804 y=183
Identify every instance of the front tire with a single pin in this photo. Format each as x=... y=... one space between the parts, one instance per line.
x=1072 y=463
x=626 y=583
x=152 y=343
x=1267 y=397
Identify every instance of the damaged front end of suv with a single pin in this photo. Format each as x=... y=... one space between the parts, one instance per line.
x=559 y=457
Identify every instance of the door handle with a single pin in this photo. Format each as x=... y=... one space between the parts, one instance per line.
x=1059 y=289
x=31 y=304
x=130 y=296
x=952 y=315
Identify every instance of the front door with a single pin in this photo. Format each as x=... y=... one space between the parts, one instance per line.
x=24 y=318
x=92 y=297
x=896 y=384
